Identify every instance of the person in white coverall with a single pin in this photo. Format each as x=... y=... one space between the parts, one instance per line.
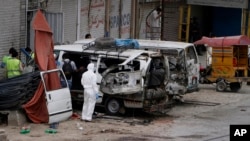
x=90 y=90
x=154 y=24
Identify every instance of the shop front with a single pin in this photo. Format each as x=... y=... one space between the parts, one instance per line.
x=214 y=18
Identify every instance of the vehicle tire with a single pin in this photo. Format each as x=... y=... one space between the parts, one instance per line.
x=113 y=106
x=221 y=86
x=235 y=86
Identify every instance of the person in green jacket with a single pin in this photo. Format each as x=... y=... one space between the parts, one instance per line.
x=14 y=66
x=7 y=57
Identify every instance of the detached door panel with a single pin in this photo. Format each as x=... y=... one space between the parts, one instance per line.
x=58 y=98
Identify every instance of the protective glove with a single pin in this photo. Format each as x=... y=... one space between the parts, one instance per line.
x=96 y=95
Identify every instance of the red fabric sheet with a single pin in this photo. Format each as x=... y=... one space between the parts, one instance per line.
x=224 y=41
x=36 y=108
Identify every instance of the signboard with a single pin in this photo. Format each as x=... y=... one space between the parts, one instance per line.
x=220 y=3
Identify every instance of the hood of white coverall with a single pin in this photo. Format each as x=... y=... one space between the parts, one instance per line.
x=91 y=67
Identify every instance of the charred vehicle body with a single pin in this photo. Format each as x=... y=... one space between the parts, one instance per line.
x=128 y=78
x=183 y=63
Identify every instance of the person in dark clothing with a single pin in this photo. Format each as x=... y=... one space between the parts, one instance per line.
x=69 y=67
x=157 y=74
x=88 y=36
x=30 y=59
x=194 y=33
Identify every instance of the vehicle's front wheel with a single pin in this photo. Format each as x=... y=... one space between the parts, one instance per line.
x=113 y=106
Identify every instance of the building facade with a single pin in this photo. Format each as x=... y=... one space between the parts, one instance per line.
x=215 y=18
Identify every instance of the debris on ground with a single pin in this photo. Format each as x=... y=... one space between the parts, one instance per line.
x=138 y=122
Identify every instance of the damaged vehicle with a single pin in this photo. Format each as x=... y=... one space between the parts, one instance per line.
x=127 y=78
x=183 y=64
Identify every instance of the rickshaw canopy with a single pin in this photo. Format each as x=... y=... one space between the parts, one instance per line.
x=224 y=41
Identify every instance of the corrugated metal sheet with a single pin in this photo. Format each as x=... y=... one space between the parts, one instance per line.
x=54 y=6
x=170 y=21
x=69 y=9
x=10 y=27
x=55 y=21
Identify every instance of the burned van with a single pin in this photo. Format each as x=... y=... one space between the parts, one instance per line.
x=183 y=64
x=127 y=78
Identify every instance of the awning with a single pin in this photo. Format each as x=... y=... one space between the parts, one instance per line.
x=224 y=41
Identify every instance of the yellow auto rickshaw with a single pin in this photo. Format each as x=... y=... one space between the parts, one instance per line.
x=227 y=62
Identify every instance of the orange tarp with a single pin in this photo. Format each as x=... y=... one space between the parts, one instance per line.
x=36 y=108
x=224 y=41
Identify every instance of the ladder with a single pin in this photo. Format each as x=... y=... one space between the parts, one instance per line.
x=184 y=23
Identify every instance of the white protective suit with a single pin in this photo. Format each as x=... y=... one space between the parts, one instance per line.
x=154 y=20
x=90 y=90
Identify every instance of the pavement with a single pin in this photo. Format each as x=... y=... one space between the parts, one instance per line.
x=211 y=123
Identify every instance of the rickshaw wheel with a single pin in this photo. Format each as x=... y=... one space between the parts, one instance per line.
x=221 y=86
x=235 y=86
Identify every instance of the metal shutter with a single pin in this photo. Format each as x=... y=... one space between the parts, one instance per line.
x=69 y=9
x=92 y=18
x=55 y=21
x=170 y=21
x=120 y=18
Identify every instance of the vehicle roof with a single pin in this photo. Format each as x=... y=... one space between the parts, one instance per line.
x=162 y=44
x=71 y=47
x=148 y=43
x=84 y=41
x=81 y=48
